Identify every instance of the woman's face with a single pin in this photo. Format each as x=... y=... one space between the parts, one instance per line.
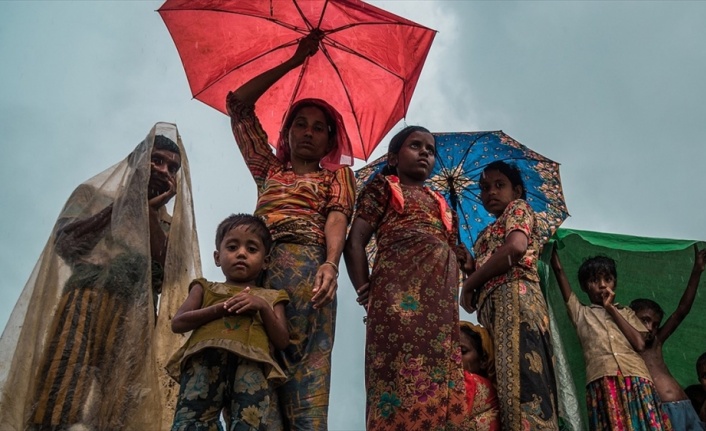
x=415 y=159
x=308 y=135
x=469 y=355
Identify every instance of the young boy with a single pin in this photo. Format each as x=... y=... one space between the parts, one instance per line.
x=674 y=400
x=227 y=364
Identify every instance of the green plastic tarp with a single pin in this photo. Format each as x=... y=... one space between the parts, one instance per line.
x=653 y=268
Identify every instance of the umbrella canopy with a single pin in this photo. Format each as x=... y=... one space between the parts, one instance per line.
x=460 y=160
x=367 y=68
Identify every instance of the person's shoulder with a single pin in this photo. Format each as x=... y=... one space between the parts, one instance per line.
x=519 y=205
x=205 y=284
x=344 y=174
x=574 y=300
x=344 y=171
x=377 y=183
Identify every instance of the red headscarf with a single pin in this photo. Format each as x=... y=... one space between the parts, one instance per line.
x=342 y=153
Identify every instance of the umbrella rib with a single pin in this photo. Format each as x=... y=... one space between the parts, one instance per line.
x=226 y=73
x=345 y=48
x=348 y=96
x=301 y=14
x=272 y=20
x=297 y=85
x=459 y=165
x=358 y=24
x=323 y=12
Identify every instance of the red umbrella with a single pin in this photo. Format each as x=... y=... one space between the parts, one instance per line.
x=367 y=68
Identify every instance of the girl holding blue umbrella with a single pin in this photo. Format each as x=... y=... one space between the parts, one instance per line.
x=504 y=288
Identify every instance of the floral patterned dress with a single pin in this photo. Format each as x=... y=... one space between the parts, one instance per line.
x=413 y=370
x=511 y=307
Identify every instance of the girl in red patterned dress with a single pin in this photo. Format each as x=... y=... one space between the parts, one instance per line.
x=413 y=370
x=505 y=290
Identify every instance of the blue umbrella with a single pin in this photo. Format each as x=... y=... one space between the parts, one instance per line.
x=460 y=160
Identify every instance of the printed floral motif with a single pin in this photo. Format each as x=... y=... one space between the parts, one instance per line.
x=237 y=379
x=388 y=403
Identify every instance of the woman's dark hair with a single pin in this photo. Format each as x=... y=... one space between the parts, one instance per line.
x=511 y=171
x=595 y=266
x=254 y=223
x=396 y=144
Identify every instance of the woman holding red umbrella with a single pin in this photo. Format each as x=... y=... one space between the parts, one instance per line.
x=305 y=195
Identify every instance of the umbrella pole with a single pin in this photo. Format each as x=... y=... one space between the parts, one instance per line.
x=453 y=197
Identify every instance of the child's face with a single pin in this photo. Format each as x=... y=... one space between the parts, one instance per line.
x=650 y=319
x=496 y=192
x=598 y=287
x=241 y=255
x=416 y=158
x=469 y=355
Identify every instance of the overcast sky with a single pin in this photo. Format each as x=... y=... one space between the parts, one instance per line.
x=613 y=91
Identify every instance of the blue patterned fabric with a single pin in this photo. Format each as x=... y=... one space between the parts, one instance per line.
x=460 y=160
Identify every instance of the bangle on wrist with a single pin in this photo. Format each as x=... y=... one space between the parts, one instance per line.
x=335 y=267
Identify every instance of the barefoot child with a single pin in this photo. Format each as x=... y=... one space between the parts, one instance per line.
x=481 y=397
x=619 y=393
x=675 y=402
x=227 y=363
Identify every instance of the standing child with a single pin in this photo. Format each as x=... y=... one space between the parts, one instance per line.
x=619 y=394
x=227 y=363
x=481 y=397
x=510 y=303
x=413 y=370
x=675 y=402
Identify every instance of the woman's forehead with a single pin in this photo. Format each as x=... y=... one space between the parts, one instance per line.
x=311 y=113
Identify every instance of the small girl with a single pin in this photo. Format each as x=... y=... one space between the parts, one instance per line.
x=227 y=364
x=413 y=370
x=510 y=303
x=619 y=393
x=481 y=397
